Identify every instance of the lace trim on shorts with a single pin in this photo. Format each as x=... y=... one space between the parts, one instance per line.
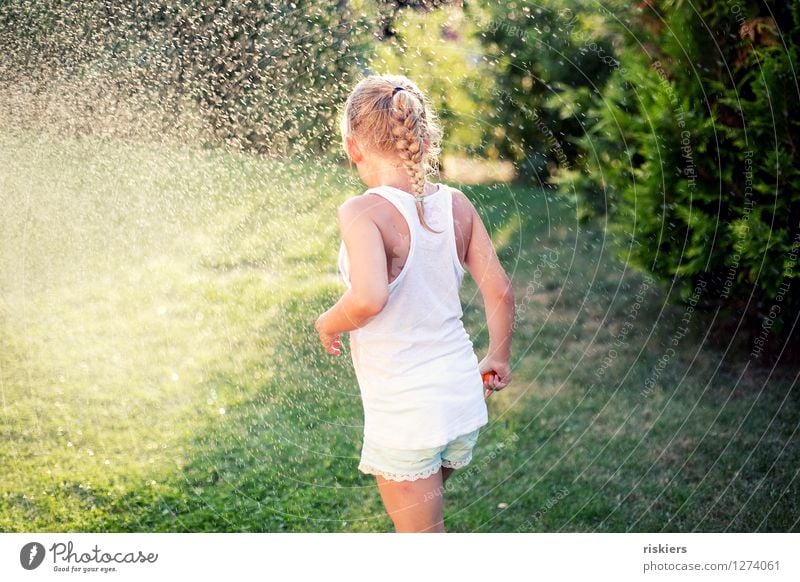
x=414 y=476
x=456 y=464
x=398 y=476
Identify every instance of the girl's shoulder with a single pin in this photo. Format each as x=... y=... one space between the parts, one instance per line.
x=360 y=203
x=374 y=205
x=463 y=209
x=460 y=200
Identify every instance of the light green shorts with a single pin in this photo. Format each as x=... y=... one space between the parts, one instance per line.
x=410 y=465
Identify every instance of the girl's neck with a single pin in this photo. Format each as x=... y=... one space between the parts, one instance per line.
x=387 y=175
x=379 y=171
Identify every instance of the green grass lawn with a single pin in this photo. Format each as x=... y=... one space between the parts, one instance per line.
x=159 y=369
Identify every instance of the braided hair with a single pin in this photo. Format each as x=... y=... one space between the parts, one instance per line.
x=390 y=113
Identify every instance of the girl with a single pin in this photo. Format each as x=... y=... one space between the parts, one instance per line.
x=403 y=244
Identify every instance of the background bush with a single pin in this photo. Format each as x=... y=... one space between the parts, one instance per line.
x=268 y=76
x=697 y=157
x=546 y=58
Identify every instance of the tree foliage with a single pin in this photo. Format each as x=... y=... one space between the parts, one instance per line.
x=267 y=76
x=547 y=58
x=697 y=158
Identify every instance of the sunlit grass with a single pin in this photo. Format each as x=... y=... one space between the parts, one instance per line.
x=132 y=292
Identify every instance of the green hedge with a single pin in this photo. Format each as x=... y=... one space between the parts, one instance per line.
x=696 y=155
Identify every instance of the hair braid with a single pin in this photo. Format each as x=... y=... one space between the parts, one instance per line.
x=390 y=114
x=408 y=128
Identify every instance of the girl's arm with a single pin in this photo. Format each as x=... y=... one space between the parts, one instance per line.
x=498 y=299
x=369 y=284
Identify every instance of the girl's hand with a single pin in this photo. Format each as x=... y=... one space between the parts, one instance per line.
x=330 y=342
x=496 y=374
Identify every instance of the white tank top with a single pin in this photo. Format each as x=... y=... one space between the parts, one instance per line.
x=415 y=364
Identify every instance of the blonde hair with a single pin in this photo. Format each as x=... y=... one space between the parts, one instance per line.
x=390 y=114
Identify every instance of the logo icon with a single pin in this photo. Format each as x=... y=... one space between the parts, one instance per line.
x=31 y=555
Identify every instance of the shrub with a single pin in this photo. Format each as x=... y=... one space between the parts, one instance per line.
x=698 y=154
x=546 y=59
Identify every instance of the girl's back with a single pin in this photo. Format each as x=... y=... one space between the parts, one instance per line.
x=415 y=363
x=394 y=229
